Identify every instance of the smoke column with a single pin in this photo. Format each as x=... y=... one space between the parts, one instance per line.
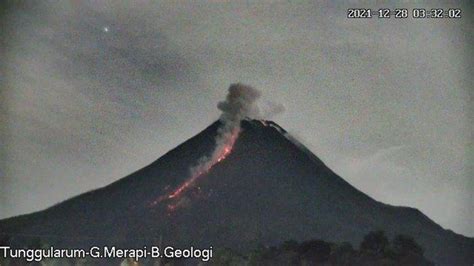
x=239 y=104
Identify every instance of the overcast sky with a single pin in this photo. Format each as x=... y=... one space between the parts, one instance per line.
x=92 y=92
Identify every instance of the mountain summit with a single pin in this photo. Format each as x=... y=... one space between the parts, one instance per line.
x=266 y=189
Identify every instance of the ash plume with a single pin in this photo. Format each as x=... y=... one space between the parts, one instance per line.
x=239 y=104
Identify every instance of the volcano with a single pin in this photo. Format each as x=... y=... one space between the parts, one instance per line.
x=266 y=189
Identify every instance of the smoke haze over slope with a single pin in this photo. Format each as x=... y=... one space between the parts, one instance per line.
x=267 y=190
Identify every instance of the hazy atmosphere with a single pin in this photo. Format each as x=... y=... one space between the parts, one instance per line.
x=92 y=92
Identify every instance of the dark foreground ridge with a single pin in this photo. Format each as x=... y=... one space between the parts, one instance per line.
x=268 y=190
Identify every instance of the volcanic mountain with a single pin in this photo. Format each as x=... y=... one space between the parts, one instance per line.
x=268 y=189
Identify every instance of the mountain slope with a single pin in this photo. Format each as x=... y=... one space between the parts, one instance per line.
x=267 y=190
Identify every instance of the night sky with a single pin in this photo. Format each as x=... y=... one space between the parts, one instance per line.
x=92 y=92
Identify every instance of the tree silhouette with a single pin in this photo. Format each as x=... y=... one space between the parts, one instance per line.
x=374 y=242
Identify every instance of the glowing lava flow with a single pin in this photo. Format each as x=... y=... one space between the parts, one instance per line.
x=221 y=152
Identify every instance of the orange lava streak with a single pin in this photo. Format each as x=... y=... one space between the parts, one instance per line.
x=220 y=154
